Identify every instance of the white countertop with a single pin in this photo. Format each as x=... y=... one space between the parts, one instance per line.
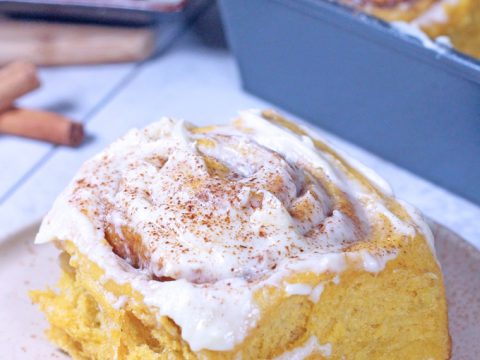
x=189 y=81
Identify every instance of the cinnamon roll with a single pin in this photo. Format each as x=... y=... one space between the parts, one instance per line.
x=392 y=10
x=253 y=240
x=457 y=20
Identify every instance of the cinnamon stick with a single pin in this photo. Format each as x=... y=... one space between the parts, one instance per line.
x=41 y=125
x=16 y=79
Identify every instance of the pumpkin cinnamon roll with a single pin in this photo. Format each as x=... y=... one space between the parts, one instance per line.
x=457 y=20
x=392 y=10
x=253 y=240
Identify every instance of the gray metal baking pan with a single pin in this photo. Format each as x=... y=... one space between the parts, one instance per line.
x=365 y=80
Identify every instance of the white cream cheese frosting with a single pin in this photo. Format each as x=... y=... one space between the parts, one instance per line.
x=217 y=214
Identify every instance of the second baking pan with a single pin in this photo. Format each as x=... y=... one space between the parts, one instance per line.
x=362 y=78
x=132 y=12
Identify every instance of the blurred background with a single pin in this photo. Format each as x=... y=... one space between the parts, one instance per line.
x=402 y=97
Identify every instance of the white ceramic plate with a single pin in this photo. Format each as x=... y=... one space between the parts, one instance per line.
x=24 y=266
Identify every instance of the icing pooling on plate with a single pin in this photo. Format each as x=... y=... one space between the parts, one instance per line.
x=209 y=216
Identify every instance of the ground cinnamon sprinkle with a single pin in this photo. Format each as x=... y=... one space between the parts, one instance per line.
x=166 y=210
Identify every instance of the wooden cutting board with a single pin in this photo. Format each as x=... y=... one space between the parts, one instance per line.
x=49 y=43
